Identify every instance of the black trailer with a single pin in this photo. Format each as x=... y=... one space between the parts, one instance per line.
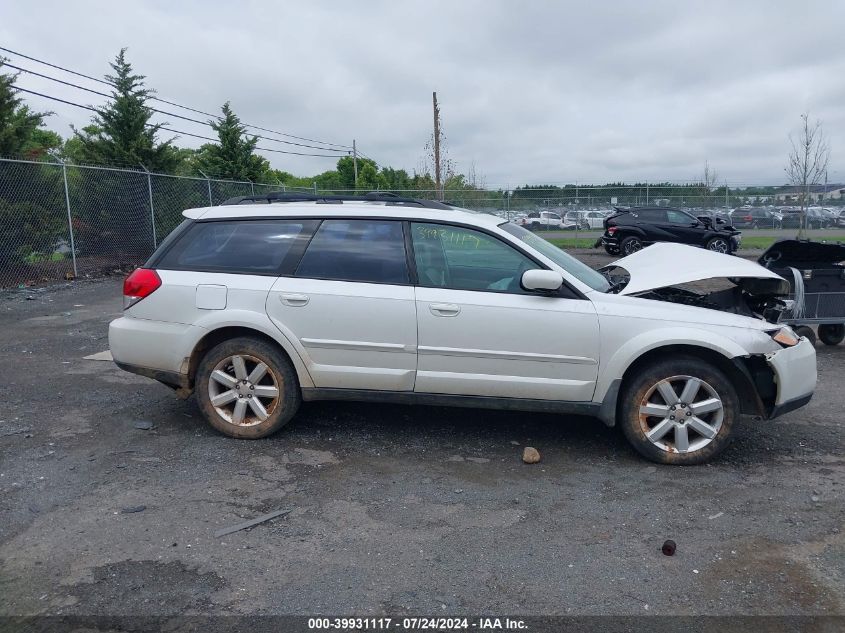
x=816 y=276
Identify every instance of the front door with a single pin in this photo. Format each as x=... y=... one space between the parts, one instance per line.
x=349 y=308
x=480 y=333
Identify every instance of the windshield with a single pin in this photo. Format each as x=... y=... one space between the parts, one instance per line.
x=577 y=269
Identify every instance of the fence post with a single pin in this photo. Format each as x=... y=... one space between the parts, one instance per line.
x=208 y=182
x=252 y=186
x=152 y=209
x=315 y=187
x=69 y=219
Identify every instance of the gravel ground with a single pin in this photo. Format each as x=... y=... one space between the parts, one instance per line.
x=392 y=509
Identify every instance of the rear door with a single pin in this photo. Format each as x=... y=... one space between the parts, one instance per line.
x=349 y=306
x=481 y=334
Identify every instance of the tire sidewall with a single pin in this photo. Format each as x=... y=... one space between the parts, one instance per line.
x=631 y=239
x=635 y=390
x=278 y=364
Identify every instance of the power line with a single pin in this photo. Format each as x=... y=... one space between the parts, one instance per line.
x=165 y=112
x=177 y=105
x=170 y=129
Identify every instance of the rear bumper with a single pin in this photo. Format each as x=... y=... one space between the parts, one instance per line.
x=169 y=378
x=155 y=345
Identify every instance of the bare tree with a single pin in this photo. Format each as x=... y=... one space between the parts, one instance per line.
x=807 y=161
x=708 y=183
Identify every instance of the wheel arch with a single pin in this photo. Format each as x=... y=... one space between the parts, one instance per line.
x=227 y=332
x=750 y=375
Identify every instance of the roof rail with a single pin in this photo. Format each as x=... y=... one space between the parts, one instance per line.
x=389 y=199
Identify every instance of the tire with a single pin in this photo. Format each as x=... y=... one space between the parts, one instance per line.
x=659 y=438
x=611 y=251
x=585 y=226
x=719 y=245
x=832 y=333
x=279 y=377
x=534 y=226
x=630 y=245
x=755 y=225
x=806 y=330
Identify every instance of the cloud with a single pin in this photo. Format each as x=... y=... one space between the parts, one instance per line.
x=529 y=92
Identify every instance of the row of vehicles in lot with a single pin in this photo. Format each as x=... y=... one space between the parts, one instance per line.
x=741 y=218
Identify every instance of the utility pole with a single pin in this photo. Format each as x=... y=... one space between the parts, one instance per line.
x=436 y=145
x=355 y=162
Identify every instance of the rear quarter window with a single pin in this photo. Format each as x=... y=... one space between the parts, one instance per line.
x=266 y=247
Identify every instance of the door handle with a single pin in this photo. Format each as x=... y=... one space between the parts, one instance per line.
x=444 y=309
x=295 y=301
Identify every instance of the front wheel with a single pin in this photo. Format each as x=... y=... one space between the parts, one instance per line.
x=719 y=245
x=247 y=388
x=679 y=411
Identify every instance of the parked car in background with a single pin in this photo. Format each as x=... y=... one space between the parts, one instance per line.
x=811 y=219
x=840 y=218
x=586 y=219
x=630 y=230
x=242 y=303
x=756 y=218
x=546 y=220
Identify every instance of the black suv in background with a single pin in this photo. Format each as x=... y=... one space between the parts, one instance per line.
x=629 y=230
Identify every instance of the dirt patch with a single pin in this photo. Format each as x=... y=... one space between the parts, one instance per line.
x=146 y=588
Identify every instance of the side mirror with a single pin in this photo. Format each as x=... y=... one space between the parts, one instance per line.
x=541 y=280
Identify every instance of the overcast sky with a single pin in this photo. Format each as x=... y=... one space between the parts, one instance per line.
x=530 y=92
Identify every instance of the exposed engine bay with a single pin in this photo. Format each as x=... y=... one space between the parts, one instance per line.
x=750 y=297
x=659 y=273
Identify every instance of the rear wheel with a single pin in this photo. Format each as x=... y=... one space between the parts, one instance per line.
x=719 y=245
x=247 y=388
x=832 y=333
x=630 y=245
x=679 y=411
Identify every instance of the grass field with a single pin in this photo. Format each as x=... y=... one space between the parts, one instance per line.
x=752 y=242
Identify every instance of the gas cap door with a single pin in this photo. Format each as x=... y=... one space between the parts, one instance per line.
x=211 y=297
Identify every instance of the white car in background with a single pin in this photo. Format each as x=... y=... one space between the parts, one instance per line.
x=587 y=220
x=266 y=301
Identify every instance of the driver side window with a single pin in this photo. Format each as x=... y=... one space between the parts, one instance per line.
x=678 y=217
x=464 y=259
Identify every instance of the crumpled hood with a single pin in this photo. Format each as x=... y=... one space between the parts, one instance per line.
x=666 y=264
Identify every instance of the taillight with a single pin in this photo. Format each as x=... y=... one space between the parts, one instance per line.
x=611 y=230
x=141 y=283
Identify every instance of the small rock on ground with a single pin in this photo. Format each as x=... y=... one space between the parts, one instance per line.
x=530 y=455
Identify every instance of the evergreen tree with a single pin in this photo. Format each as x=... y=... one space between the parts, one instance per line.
x=18 y=124
x=234 y=156
x=120 y=132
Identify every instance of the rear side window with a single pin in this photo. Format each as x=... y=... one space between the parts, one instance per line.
x=651 y=215
x=269 y=247
x=357 y=250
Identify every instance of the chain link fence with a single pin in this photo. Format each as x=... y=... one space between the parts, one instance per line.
x=62 y=221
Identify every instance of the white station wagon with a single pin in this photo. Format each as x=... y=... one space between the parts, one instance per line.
x=266 y=301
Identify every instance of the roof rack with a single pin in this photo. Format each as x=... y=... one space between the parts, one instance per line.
x=389 y=199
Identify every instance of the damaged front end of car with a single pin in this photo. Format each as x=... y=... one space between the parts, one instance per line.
x=662 y=271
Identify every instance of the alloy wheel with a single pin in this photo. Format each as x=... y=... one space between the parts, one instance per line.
x=243 y=390
x=681 y=414
x=718 y=245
